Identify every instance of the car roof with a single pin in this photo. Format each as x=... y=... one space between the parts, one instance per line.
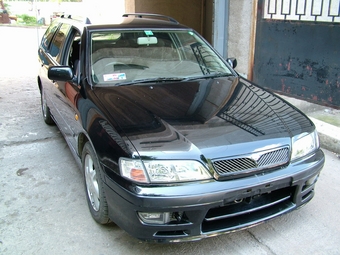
x=128 y=21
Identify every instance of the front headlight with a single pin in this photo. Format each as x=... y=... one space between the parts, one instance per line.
x=163 y=171
x=304 y=144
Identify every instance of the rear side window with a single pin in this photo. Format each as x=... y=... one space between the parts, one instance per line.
x=48 y=36
x=59 y=41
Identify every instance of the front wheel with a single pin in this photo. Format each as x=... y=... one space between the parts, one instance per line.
x=95 y=195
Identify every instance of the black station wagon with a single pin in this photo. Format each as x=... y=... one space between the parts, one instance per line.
x=173 y=143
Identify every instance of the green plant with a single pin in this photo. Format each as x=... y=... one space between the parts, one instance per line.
x=27 y=20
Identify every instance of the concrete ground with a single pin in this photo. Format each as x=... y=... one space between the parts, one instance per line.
x=43 y=208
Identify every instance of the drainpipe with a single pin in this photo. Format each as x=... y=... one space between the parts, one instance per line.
x=220 y=26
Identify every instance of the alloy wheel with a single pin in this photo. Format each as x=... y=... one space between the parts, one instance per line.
x=92 y=187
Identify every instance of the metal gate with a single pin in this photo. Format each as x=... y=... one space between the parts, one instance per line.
x=297 y=49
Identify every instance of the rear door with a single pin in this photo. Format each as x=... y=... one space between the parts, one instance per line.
x=56 y=55
x=65 y=51
x=45 y=61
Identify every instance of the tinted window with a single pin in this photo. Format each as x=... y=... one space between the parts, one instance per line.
x=47 y=38
x=59 y=41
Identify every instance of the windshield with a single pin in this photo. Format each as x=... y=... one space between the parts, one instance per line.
x=125 y=57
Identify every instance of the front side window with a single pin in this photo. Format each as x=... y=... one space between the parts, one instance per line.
x=119 y=57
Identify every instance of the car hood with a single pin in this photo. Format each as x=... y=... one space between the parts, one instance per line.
x=208 y=118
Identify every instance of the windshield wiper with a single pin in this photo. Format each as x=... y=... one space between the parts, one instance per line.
x=173 y=79
x=151 y=80
x=209 y=76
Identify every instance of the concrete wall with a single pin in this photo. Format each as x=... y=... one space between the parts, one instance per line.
x=240 y=38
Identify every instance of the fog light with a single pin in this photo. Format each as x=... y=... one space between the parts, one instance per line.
x=312 y=180
x=154 y=217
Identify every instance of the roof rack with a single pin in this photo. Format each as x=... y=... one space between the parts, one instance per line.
x=85 y=20
x=151 y=15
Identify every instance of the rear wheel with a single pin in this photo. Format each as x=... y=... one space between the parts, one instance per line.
x=95 y=195
x=45 y=109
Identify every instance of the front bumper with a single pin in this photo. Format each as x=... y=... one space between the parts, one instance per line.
x=213 y=207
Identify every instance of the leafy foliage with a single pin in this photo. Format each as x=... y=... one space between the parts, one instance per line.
x=27 y=20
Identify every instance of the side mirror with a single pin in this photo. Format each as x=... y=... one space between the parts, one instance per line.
x=232 y=62
x=60 y=73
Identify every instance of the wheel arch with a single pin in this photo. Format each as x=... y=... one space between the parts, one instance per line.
x=39 y=83
x=82 y=140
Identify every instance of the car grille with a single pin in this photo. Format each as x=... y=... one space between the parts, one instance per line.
x=252 y=162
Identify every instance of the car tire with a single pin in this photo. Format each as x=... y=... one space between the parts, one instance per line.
x=94 y=189
x=46 y=110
